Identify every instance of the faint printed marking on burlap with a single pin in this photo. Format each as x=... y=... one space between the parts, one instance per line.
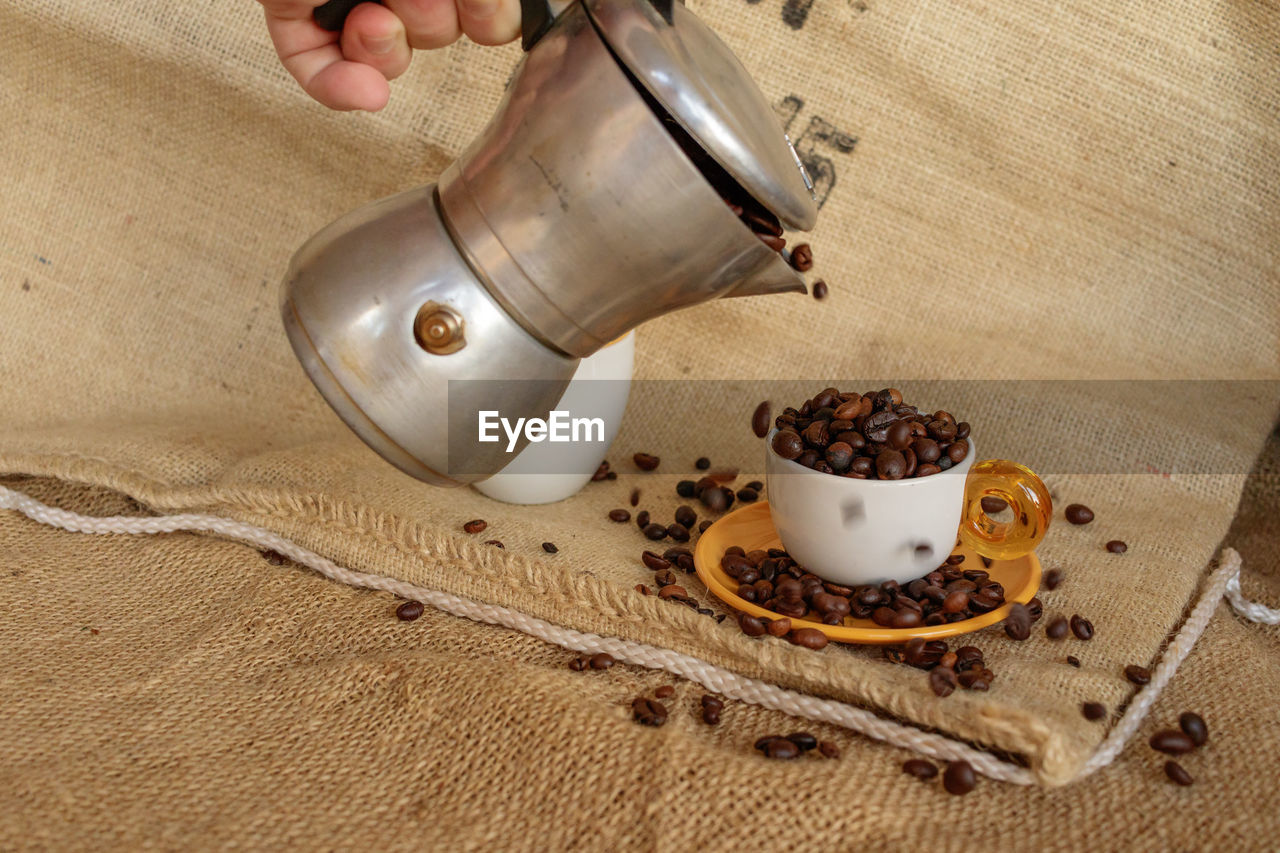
x=818 y=136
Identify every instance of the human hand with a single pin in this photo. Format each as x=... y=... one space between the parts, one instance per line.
x=350 y=70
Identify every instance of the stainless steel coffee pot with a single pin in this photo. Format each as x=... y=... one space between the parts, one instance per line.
x=606 y=191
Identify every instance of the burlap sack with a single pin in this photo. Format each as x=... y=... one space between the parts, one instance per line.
x=1031 y=193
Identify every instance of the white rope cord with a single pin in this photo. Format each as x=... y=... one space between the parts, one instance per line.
x=713 y=678
x=1250 y=610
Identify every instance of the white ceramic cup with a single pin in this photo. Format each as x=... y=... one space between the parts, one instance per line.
x=854 y=532
x=525 y=479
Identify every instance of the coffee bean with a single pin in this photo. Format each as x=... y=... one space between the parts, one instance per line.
x=958 y=450
x=710 y=701
x=748 y=495
x=497 y=543
x=1139 y=675
x=654 y=562
x=646 y=461
x=602 y=472
x=619 y=515
x=1177 y=774
x=775 y=243
x=959 y=778
x=828 y=749
x=656 y=532
x=678 y=532
x=664 y=692
x=942 y=681
x=919 y=768
x=1053 y=579
x=642 y=519
x=1195 y=727
x=1081 y=627
x=804 y=740
x=1093 y=710
x=994 y=506
x=648 y=712
x=760 y=419
x=703 y=525
x=781 y=748
x=665 y=577
x=899 y=435
x=550 y=548
x=927 y=470
x=686 y=516
x=1172 y=742
x=475 y=525
x=1036 y=608
x=602 y=660
x=1018 y=623
x=684 y=489
x=1073 y=661
x=802 y=257
x=635 y=497
x=716 y=499
x=756 y=485
x=810 y=638
x=1079 y=514
x=820 y=290
x=974 y=679
x=643 y=590
x=1057 y=628
x=671 y=591
x=275 y=558
x=891 y=465
x=957 y=559
x=578 y=664
x=702 y=463
x=1115 y=546
x=710 y=717
x=409 y=610
x=779 y=627
x=752 y=626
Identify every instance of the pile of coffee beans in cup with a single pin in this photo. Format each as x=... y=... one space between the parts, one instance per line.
x=871 y=436
x=773 y=580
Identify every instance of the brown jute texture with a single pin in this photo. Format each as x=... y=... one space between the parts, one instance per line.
x=1038 y=192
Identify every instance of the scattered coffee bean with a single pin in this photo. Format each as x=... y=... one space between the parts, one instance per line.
x=702 y=464
x=619 y=515
x=810 y=638
x=959 y=778
x=1079 y=514
x=781 y=748
x=665 y=577
x=684 y=489
x=654 y=562
x=497 y=543
x=1172 y=742
x=1072 y=660
x=642 y=519
x=1093 y=710
x=1057 y=628
x=710 y=717
x=994 y=506
x=475 y=525
x=919 y=768
x=1018 y=623
x=601 y=660
x=779 y=627
x=1194 y=726
x=409 y=610
x=646 y=461
x=602 y=472
x=678 y=532
x=752 y=626
x=760 y=419
x=703 y=525
x=748 y=495
x=672 y=590
x=1177 y=773
x=643 y=590
x=756 y=485
x=648 y=712
x=656 y=532
x=686 y=516
x=275 y=558
x=1115 y=546
x=1053 y=579
x=820 y=290
x=942 y=681
x=1082 y=628
x=804 y=740
x=802 y=257
x=578 y=664
x=550 y=548
x=664 y=692
x=828 y=749
x=635 y=497
x=1139 y=675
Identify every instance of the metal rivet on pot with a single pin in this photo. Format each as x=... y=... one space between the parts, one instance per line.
x=438 y=329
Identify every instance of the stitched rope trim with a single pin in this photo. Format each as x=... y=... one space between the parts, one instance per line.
x=1224 y=580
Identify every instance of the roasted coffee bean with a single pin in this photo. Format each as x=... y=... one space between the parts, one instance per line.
x=761 y=743
x=602 y=472
x=642 y=519
x=828 y=749
x=1081 y=627
x=757 y=485
x=275 y=558
x=810 y=638
x=748 y=495
x=550 y=548
x=747 y=593
x=654 y=562
x=648 y=712
x=927 y=470
x=1172 y=742
x=475 y=525
x=974 y=679
x=919 y=768
x=820 y=290
x=891 y=465
x=958 y=451
x=898 y=435
x=752 y=626
x=1115 y=546
x=966 y=655
x=775 y=243
x=779 y=627
x=959 y=778
x=643 y=590
x=993 y=506
x=619 y=515
x=1036 y=608
x=602 y=660
x=906 y=619
x=656 y=532
x=781 y=748
x=1073 y=661
x=1057 y=628
x=710 y=717
x=942 y=681
x=710 y=701
x=671 y=591
x=703 y=525
x=686 y=516
x=1194 y=726
x=760 y=419
x=702 y=463
x=646 y=461
x=941 y=430
x=684 y=489
x=1052 y=579
x=1177 y=773
x=1018 y=623
x=664 y=692
x=1093 y=710
x=678 y=532
x=1139 y=675
x=1079 y=514
x=635 y=497
x=716 y=499
x=665 y=577
x=802 y=257
x=409 y=610
x=578 y=664
x=804 y=740
x=957 y=559
x=876 y=427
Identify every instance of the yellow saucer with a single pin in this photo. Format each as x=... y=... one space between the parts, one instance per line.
x=751 y=528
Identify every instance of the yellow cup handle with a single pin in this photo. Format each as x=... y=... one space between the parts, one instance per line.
x=1027 y=497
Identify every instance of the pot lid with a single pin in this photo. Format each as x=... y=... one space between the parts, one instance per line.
x=694 y=76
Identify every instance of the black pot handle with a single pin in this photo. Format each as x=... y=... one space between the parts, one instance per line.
x=332 y=15
x=535 y=18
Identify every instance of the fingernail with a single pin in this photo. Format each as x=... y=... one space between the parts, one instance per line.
x=378 y=44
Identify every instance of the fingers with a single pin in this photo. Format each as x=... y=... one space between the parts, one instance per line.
x=489 y=21
x=429 y=23
x=374 y=36
x=315 y=60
